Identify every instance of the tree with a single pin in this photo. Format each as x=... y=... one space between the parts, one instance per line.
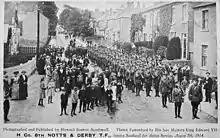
x=49 y=9
x=160 y=41
x=137 y=23
x=174 y=49
x=76 y=21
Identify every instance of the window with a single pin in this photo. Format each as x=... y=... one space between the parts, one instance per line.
x=204 y=55
x=173 y=14
x=145 y=36
x=150 y=37
x=158 y=19
x=119 y=36
x=205 y=19
x=190 y=55
x=145 y=18
x=151 y=20
x=184 y=46
x=184 y=13
x=21 y=27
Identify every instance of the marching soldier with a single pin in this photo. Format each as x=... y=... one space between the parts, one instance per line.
x=171 y=82
x=178 y=96
x=164 y=89
x=148 y=83
x=156 y=83
x=195 y=96
x=138 y=82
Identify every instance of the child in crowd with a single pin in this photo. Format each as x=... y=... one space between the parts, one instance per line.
x=42 y=92
x=74 y=99
x=109 y=93
x=119 y=91
x=184 y=84
x=64 y=100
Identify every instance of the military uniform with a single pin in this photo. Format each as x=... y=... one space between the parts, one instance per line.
x=148 y=83
x=164 y=89
x=195 y=96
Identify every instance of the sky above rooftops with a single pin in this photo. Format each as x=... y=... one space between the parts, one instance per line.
x=95 y=4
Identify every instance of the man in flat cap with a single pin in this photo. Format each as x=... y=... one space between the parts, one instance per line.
x=208 y=82
x=7 y=94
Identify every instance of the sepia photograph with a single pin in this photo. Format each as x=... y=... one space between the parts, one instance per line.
x=110 y=62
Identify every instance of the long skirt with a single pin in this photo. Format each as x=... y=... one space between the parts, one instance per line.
x=47 y=80
x=97 y=92
x=15 y=91
x=57 y=83
x=23 y=91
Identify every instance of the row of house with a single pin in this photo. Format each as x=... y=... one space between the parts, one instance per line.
x=193 y=22
x=115 y=24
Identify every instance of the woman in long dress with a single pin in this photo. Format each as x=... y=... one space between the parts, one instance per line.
x=48 y=75
x=50 y=90
x=55 y=76
x=15 y=86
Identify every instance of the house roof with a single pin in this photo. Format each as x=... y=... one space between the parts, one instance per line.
x=128 y=13
x=102 y=18
x=21 y=17
x=156 y=6
x=204 y=4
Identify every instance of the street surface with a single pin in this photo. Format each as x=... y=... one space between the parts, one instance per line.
x=134 y=109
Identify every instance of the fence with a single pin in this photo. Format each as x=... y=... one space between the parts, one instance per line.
x=29 y=67
x=30 y=50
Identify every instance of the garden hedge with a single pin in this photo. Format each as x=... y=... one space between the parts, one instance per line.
x=174 y=49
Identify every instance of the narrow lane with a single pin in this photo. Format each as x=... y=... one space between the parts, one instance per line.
x=133 y=110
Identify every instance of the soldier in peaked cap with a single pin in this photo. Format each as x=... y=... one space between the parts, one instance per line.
x=195 y=96
x=164 y=89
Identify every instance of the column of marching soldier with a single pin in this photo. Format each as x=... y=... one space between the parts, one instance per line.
x=73 y=78
x=171 y=82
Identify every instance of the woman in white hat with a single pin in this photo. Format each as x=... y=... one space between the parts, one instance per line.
x=48 y=75
x=50 y=90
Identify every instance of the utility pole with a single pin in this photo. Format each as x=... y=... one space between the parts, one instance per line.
x=38 y=34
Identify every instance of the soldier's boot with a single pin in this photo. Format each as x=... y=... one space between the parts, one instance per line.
x=51 y=99
x=41 y=102
x=176 y=114
x=193 y=113
x=179 y=110
x=48 y=100
x=196 y=111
